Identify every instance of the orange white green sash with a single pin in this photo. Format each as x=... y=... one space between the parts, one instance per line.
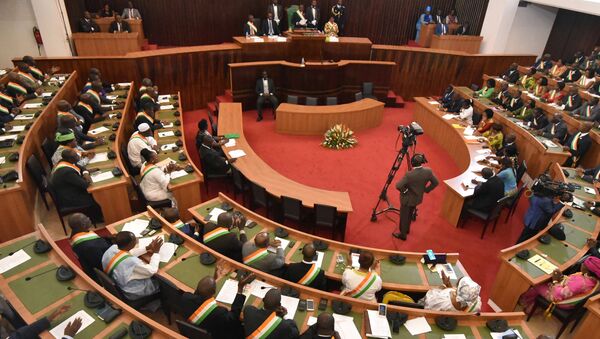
x=64 y=164
x=524 y=80
x=66 y=114
x=255 y=256
x=301 y=15
x=94 y=94
x=364 y=285
x=115 y=261
x=203 y=311
x=137 y=135
x=86 y=106
x=179 y=224
x=266 y=328
x=312 y=273
x=144 y=114
x=570 y=101
x=582 y=81
x=253 y=29
x=570 y=76
x=28 y=76
x=553 y=71
x=538 y=90
x=3 y=109
x=17 y=87
x=36 y=71
x=146 y=96
x=588 y=111
x=83 y=237
x=6 y=98
x=147 y=169
x=575 y=142
x=142 y=88
x=552 y=94
x=214 y=234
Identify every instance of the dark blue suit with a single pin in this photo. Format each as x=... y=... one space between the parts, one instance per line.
x=541 y=210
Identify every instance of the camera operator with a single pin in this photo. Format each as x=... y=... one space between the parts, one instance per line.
x=541 y=209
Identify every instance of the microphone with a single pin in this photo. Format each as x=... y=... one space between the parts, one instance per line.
x=42 y=273
x=78 y=289
x=22 y=247
x=191 y=256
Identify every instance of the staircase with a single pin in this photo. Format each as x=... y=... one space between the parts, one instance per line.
x=393 y=100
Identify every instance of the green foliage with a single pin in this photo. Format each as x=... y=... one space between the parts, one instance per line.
x=339 y=137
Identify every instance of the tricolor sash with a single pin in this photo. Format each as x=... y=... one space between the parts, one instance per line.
x=524 y=80
x=203 y=311
x=364 y=285
x=142 y=88
x=36 y=71
x=179 y=224
x=17 y=87
x=266 y=328
x=588 y=111
x=64 y=164
x=214 y=234
x=3 y=109
x=28 y=76
x=86 y=106
x=137 y=135
x=67 y=114
x=255 y=256
x=115 y=261
x=144 y=114
x=94 y=94
x=301 y=15
x=538 y=90
x=554 y=68
x=83 y=237
x=147 y=169
x=253 y=29
x=87 y=86
x=575 y=142
x=582 y=81
x=146 y=96
x=312 y=273
x=570 y=101
x=7 y=98
x=570 y=76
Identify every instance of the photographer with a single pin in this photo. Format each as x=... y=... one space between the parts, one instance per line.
x=541 y=209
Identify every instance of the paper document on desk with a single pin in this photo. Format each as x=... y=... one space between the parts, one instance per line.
x=471 y=138
x=112 y=97
x=167 y=250
x=549 y=144
x=448 y=269
x=214 y=214
x=380 y=327
x=238 y=153
x=124 y=84
x=230 y=143
x=86 y=320
x=433 y=102
x=2 y=160
x=99 y=130
x=469 y=131
x=311 y=321
x=228 y=292
x=291 y=305
x=448 y=116
x=417 y=326
x=12 y=261
x=319 y=260
x=166 y=134
x=354 y=260
x=259 y=288
x=24 y=117
x=46 y=94
x=167 y=147
x=454 y=336
x=136 y=226
x=101 y=176
x=284 y=244
x=145 y=241
x=164 y=97
x=165 y=107
x=577 y=203
x=484 y=151
x=500 y=335
x=178 y=174
x=32 y=105
x=590 y=190
x=542 y=264
x=281 y=39
x=346 y=327
x=165 y=125
x=9 y=137
x=99 y=157
x=17 y=129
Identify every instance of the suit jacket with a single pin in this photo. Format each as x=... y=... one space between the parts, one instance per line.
x=583 y=146
x=537 y=123
x=575 y=102
x=229 y=245
x=462 y=30
x=313 y=333
x=260 y=88
x=272 y=263
x=296 y=271
x=31 y=331
x=90 y=254
x=573 y=77
x=542 y=65
x=514 y=105
x=265 y=27
x=70 y=188
x=580 y=113
x=511 y=76
x=591 y=174
x=296 y=20
x=508 y=150
x=414 y=184
x=212 y=161
x=247 y=29
x=540 y=212
x=487 y=194
x=309 y=16
x=135 y=14
x=88 y=26
x=124 y=27
x=560 y=131
x=280 y=12
x=220 y=323
x=254 y=317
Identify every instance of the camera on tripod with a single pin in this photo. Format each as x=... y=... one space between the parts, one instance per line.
x=544 y=186
x=413 y=129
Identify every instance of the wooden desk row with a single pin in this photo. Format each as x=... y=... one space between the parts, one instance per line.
x=18 y=197
x=462 y=43
x=520 y=274
x=590 y=325
x=90 y=44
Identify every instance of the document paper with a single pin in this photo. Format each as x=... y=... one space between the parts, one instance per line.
x=542 y=264
x=379 y=325
x=346 y=327
x=12 y=261
x=86 y=320
x=228 y=292
x=417 y=326
x=291 y=305
x=238 y=153
x=99 y=157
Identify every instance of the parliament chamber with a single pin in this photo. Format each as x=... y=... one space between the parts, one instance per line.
x=169 y=179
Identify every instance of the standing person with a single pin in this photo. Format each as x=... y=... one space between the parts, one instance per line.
x=541 y=209
x=313 y=15
x=130 y=12
x=277 y=11
x=339 y=14
x=264 y=89
x=299 y=20
x=416 y=182
x=106 y=11
x=424 y=19
x=451 y=18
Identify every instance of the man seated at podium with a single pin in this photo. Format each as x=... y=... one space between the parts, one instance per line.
x=87 y=24
x=264 y=89
x=130 y=12
x=331 y=28
x=250 y=28
x=313 y=15
x=119 y=26
x=441 y=29
x=270 y=26
x=463 y=29
x=299 y=19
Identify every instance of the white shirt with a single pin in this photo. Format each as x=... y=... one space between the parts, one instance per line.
x=351 y=278
x=144 y=271
x=135 y=146
x=275 y=14
x=154 y=185
x=314 y=13
x=266 y=86
x=467 y=115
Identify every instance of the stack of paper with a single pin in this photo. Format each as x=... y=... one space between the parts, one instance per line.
x=542 y=264
x=86 y=320
x=291 y=305
x=145 y=241
x=454 y=336
x=136 y=226
x=589 y=190
x=230 y=143
x=101 y=176
x=99 y=130
x=32 y=105
x=9 y=137
x=498 y=335
x=12 y=261
x=166 y=134
x=167 y=250
x=469 y=131
x=214 y=214
x=99 y=157
x=163 y=107
x=354 y=257
x=238 y=153
x=417 y=326
x=24 y=117
x=178 y=174
x=379 y=325
x=448 y=116
x=167 y=147
x=346 y=327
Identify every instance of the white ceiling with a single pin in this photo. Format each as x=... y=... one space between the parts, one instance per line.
x=585 y=6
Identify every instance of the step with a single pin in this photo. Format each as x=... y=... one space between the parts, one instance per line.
x=399 y=102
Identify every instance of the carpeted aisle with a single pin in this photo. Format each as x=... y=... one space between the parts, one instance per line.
x=362 y=172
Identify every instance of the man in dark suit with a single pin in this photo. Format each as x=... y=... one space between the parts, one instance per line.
x=220 y=237
x=572 y=74
x=269 y=26
x=313 y=15
x=87 y=24
x=544 y=63
x=502 y=96
x=201 y=309
x=250 y=28
x=413 y=185
x=265 y=87
x=119 y=25
x=323 y=328
x=590 y=111
x=149 y=97
x=590 y=174
x=572 y=101
x=87 y=245
x=512 y=74
x=299 y=20
x=278 y=13
x=486 y=195
x=515 y=102
x=578 y=144
x=540 y=211
x=441 y=29
x=306 y=272
x=12 y=326
x=556 y=130
x=212 y=161
x=148 y=116
x=509 y=147
x=463 y=29
x=269 y=319
x=338 y=11
x=130 y=12
x=70 y=183
x=538 y=120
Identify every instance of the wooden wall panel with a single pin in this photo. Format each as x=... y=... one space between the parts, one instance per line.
x=197 y=22
x=572 y=32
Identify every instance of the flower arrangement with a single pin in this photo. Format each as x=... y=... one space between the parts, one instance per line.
x=339 y=137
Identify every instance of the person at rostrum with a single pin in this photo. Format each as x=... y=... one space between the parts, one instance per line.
x=307 y=272
x=268 y=322
x=323 y=328
x=412 y=186
x=364 y=282
x=87 y=24
x=277 y=10
x=221 y=238
x=250 y=28
x=265 y=87
x=257 y=254
x=86 y=244
x=486 y=195
x=299 y=20
x=119 y=25
x=269 y=26
x=313 y=15
x=106 y=11
x=541 y=209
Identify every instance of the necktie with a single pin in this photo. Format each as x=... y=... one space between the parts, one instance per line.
x=270 y=27
x=130 y=13
x=118 y=27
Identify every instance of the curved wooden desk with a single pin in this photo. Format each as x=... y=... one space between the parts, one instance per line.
x=259 y=172
x=90 y=44
x=590 y=325
x=316 y=120
x=185 y=274
x=520 y=274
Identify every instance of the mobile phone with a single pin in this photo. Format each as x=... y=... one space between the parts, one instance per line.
x=382 y=309
x=340 y=258
x=145 y=232
x=302 y=305
x=310 y=305
x=323 y=304
x=430 y=255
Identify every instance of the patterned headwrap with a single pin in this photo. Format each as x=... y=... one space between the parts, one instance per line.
x=467 y=291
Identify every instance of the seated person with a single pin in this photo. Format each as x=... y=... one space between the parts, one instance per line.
x=515 y=102
x=540 y=88
x=213 y=162
x=508 y=176
x=147 y=116
x=572 y=74
x=451 y=18
x=269 y=26
x=590 y=111
x=265 y=88
x=464 y=298
x=578 y=144
x=13 y=327
x=86 y=244
x=463 y=29
x=488 y=90
x=590 y=174
x=18 y=86
x=250 y=28
x=323 y=328
x=256 y=254
x=106 y=11
x=502 y=96
x=201 y=309
x=524 y=112
x=119 y=25
x=65 y=138
x=268 y=322
x=527 y=81
x=556 y=130
x=540 y=211
x=202 y=131
x=447 y=97
x=466 y=112
x=486 y=122
x=565 y=291
x=509 y=147
x=588 y=79
x=544 y=63
x=70 y=183
x=558 y=69
x=538 y=120
x=494 y=137
x=331 y=28
x=578 y=58
x=299 y=19
x=155 y=182
x=221 y=238
x=307 y=272
x=146 y=83
x=130 y=12
x=149 y=97
x=87 y=24
x=132 y=275
x=64 y=109
x=486 y=195
x=455 y=105
x=595 y=88
x=555 y=95
x=572 y=101
x=89 y=110
x=139 y=140
x=36 y=72
x=84 y=141
x=512 y=74
x=364 y=282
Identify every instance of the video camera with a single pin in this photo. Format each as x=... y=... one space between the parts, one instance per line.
x=413 y=129
x=546 y=187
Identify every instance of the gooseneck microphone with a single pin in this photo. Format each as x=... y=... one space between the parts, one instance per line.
x=42 y=273
x=22 y=247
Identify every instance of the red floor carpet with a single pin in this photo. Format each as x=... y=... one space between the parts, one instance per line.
x=362 y=172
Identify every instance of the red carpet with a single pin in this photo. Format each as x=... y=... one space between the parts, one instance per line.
x=362 y=172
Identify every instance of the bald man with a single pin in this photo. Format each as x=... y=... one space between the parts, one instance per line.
x=578 y=144
x=257 y=254
x=307 y=272
x=269 y=319
x=86 y=244
x=221 y=238
x=323 y=328
x=200 y=308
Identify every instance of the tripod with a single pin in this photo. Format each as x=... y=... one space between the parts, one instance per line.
x=402 y=153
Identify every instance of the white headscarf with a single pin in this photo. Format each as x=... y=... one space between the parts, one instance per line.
x=467 y=293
